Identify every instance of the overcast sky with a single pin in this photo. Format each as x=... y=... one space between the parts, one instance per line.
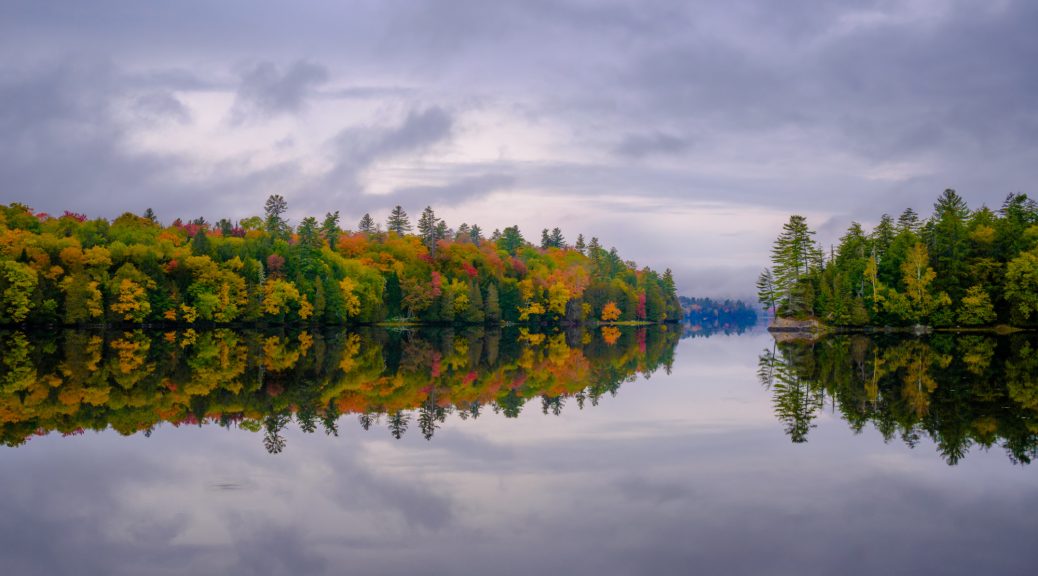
x=681 y=132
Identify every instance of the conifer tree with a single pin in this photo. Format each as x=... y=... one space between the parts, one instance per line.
x=366 y=224
x=330 y=228
x=398 y=221
x=274 y=216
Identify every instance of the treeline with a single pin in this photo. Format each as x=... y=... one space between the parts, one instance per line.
x=957 y=267
x=707 y=316
x=961 y=392
x=132 y=381
x=73 y=270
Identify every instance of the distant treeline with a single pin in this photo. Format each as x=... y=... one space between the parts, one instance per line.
x=73 y=270
x=956 y=267
x=709 y=316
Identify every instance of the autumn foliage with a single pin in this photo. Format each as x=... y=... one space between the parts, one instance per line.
x=135 y=270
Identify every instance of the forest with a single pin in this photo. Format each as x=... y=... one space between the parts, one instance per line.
x=706 y=316
x=957 y=267
x=73 y=270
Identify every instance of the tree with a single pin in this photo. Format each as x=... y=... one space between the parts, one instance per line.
x=398 y=221
x=917 y=276
x=1021 y=289
x=511 y=240
x=427 y=229
x=580 y=246
x=908 y=221
x=545 y=239
x=476 y=233
x=949 y=238
x=975 y=308
x=330 y=228
x=17 y=284
x=793 y=256
x=366 y=224
x=274 y=216
x=556 y=238
x=766 y=291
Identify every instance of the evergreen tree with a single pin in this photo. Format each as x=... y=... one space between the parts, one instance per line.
x=908 y=221
x=766 y=292
x=427 y=229
x=366 y=224
x=398 y=221
x=476 y=233
x=149 y=214
x=556 y=238
x=200 y=245
x=511 y=240
x=580 y=246
x=948 y=239
x=274 y=216
x=545 y=239
x=793 y=256
x=330 y=228
x=883 y=235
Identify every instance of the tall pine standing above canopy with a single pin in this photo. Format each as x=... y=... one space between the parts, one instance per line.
x=398 y=221
x=793 y=256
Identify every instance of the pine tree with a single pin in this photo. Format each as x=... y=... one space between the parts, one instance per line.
x=330 y=228
x=580 y=245
x=150 y=215
x=766 y=292
x=274 y=212
x=476 y=233
x=793 y=256
x=556 y=238
x=948 y=238
x=545 y=239
x=908 y=221
x=427 y=229
x=883 y=235
x=366 y=224
x=398 y=221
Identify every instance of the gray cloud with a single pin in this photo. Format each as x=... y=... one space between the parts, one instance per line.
x=640 y=145
x=266 y=90
x=842 y=110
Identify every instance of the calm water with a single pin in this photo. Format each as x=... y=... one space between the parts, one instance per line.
x=470 y=452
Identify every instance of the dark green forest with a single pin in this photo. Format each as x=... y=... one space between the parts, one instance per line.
x=956 y=267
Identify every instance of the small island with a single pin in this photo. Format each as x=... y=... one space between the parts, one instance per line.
x=958 y=269
x=71 y=270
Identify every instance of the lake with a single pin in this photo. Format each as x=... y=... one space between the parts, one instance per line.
x=609 y=451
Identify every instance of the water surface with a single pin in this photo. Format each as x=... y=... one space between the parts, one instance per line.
x=473 y=452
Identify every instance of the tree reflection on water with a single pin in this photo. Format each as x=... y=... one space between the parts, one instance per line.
x=960 y=392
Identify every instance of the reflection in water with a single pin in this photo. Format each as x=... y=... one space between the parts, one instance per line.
x=404 y=380
x=960 y=391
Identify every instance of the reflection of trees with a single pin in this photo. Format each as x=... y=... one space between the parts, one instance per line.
x=959 y=392
x=136 y=381
x=795 y=392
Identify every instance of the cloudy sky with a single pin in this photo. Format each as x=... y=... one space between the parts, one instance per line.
x=682 y=132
